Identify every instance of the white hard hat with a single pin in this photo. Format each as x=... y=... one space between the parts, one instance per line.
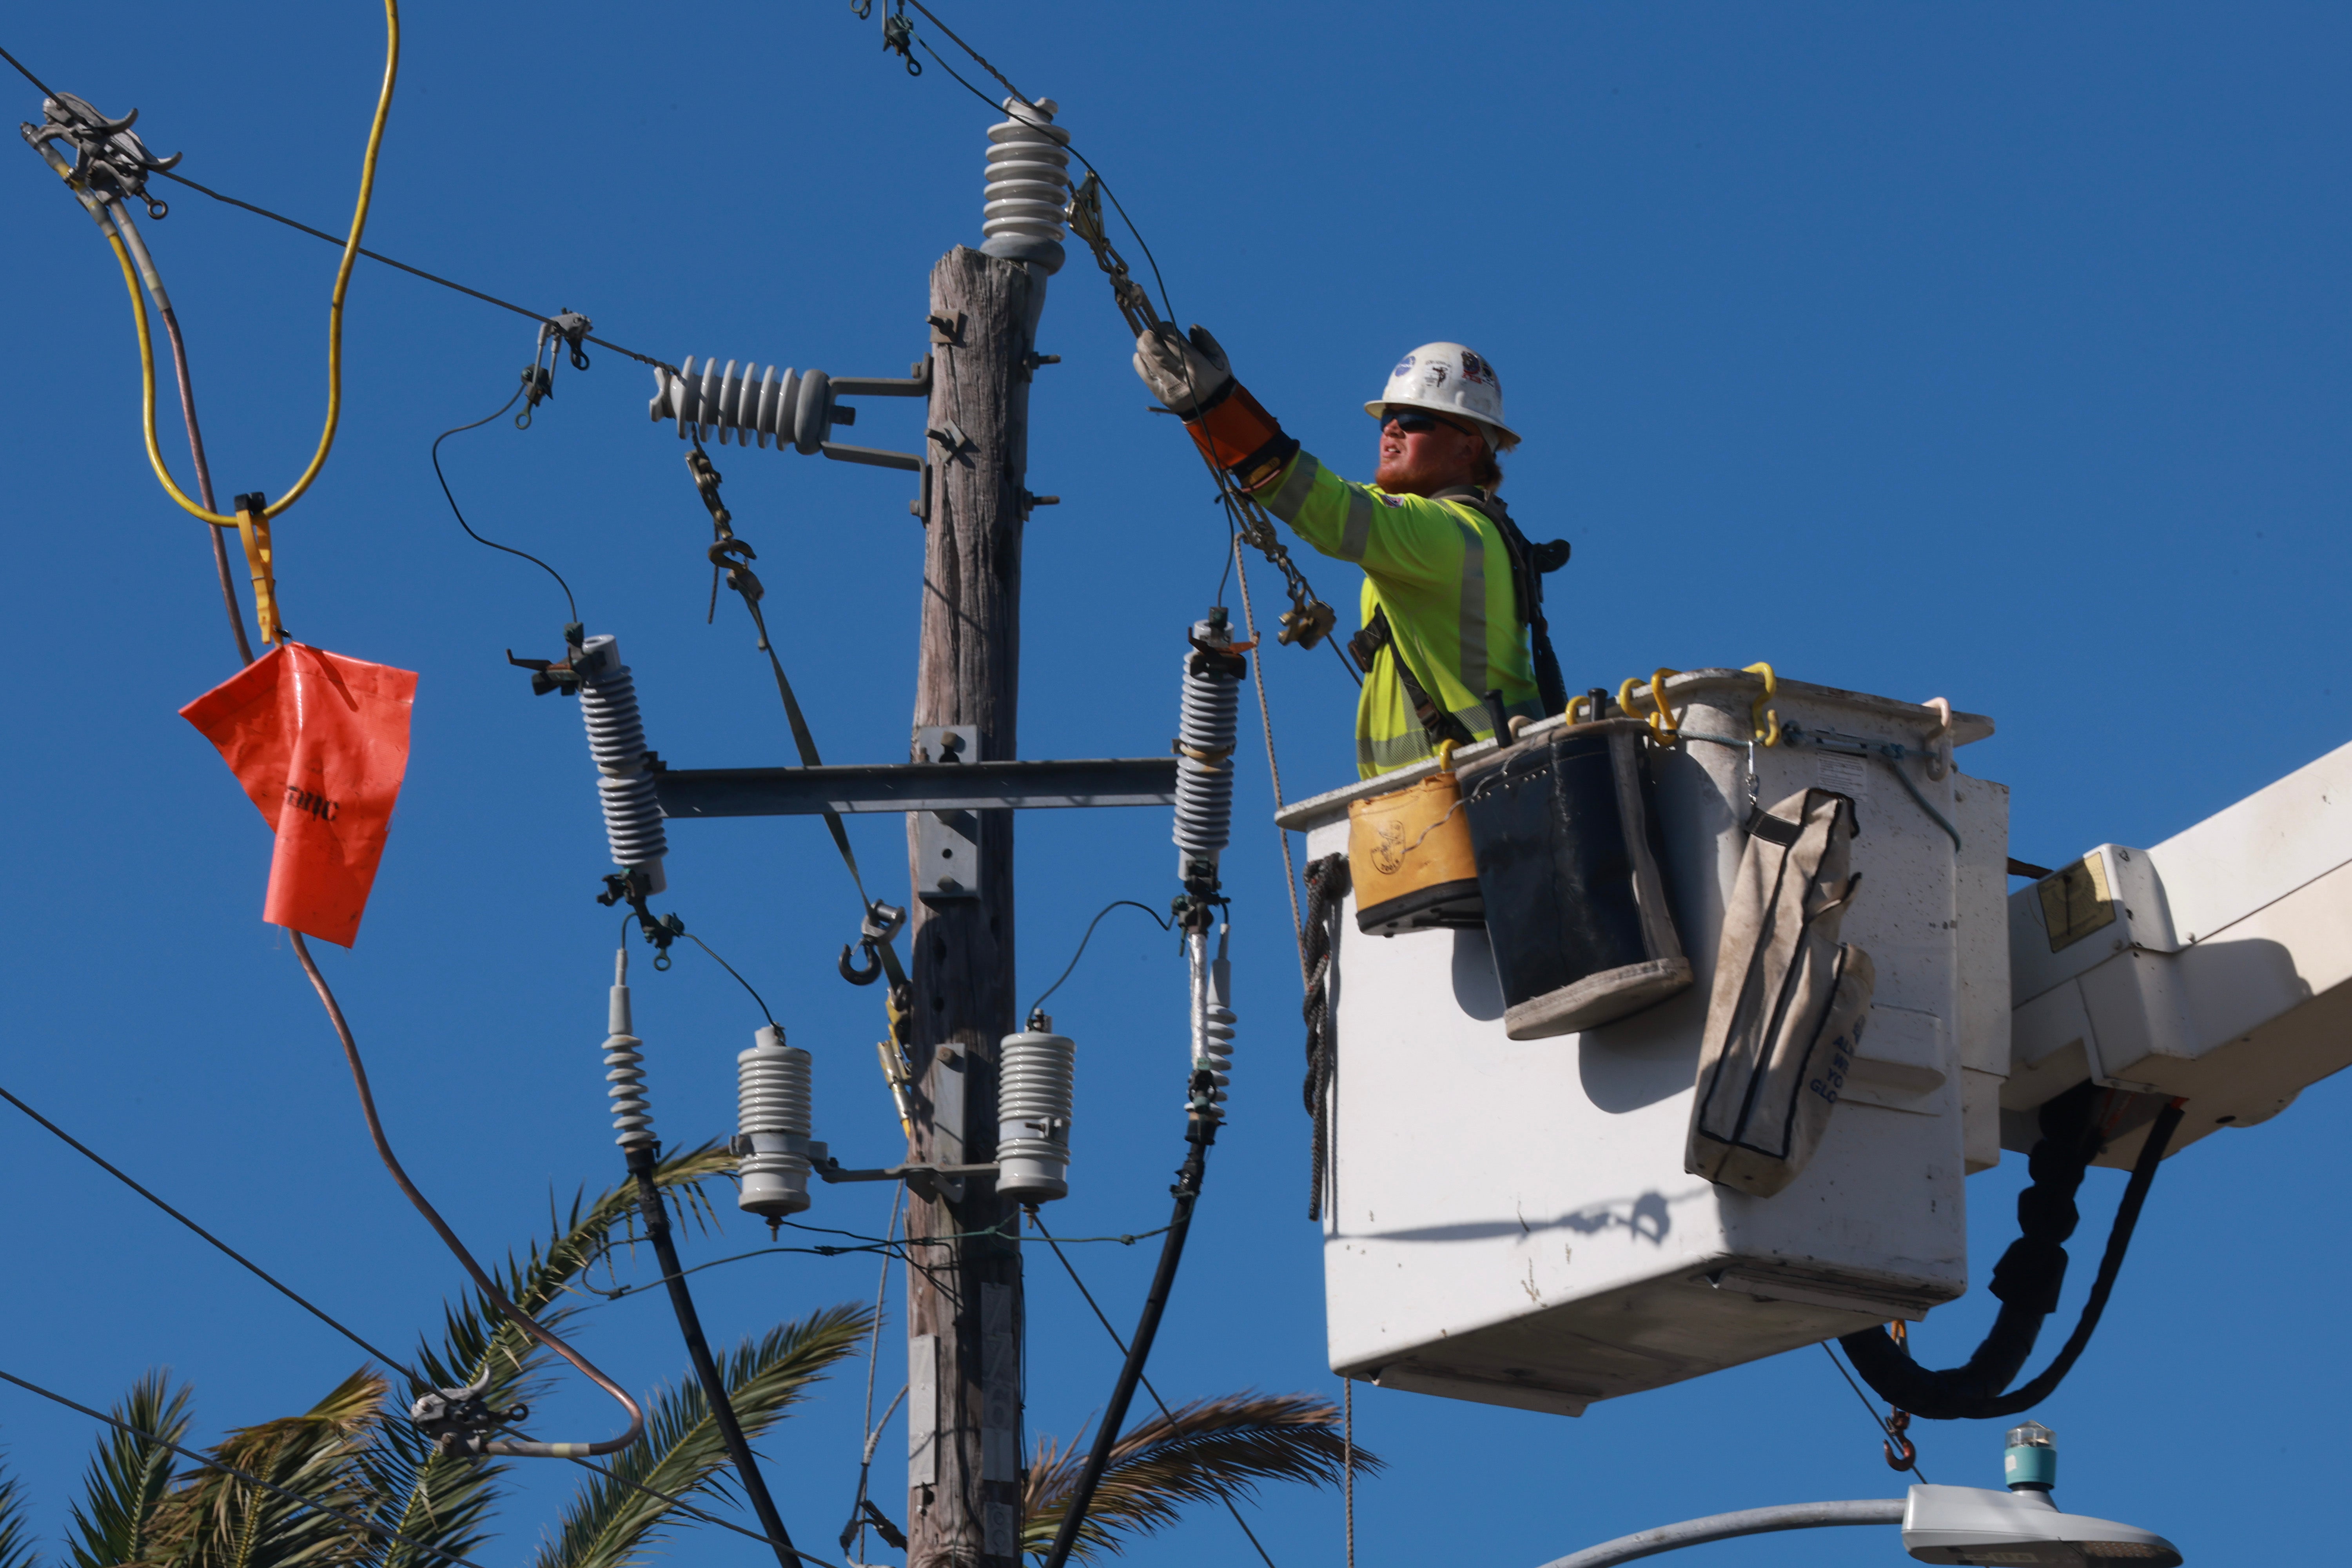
x=1446 y=378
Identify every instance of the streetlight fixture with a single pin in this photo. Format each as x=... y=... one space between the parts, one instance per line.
x=1969 y=1525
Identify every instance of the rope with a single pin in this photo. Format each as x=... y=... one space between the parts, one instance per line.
x=1327 y=887
x=1348 y=1404
x=1273 y=768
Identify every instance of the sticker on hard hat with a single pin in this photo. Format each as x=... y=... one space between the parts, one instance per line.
x=1403 y=366
x=1435 y=377
x=1475 y=369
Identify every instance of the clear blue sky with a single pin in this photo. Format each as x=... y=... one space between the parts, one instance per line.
x=1994 y=351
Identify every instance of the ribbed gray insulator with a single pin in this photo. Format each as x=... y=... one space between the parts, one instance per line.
x=791 y=408
x=1036 y=1074
x=773 y=1097
x=1028 y=186
x=1204 y=764
x=616 y=740
x=632 y=1113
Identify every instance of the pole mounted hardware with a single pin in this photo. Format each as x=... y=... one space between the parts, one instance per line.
x=789 y=408
x=459 y=1420
x=110 y=159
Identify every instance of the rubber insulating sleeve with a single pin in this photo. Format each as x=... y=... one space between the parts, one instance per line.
x=1234 y=432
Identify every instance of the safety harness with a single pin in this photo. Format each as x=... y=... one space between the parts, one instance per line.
x=1529 y=563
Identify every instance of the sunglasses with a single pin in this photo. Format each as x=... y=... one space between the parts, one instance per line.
x=1420 y=424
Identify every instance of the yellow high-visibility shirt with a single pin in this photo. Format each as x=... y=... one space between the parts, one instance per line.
x=1441 y=570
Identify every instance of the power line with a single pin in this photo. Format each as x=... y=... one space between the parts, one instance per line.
x=36 y=82
x=418 y=271
x=214 y=1461
x=258 y=1272
x=1121 y=1343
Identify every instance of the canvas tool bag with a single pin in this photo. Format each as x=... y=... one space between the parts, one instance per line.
x=1409 y=852
x=1567 y=844
x=1785 y=1017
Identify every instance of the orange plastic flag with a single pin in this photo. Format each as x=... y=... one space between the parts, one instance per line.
x=321 y=742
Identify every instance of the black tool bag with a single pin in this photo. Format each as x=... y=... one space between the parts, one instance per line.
x=1785 y=1017
x=1567 y=845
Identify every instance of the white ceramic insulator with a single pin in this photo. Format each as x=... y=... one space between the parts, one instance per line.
x=1212 y=1015
x=1028 y=186
x=1205 y=761
x=616 y=740
x=749 y=406
x=624 y=1072
x=773 y=1095
x=1034 y=1084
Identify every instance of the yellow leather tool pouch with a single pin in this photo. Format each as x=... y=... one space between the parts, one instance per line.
x=1409 y=854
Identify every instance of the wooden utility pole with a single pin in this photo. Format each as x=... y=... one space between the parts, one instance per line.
x=963 y=1298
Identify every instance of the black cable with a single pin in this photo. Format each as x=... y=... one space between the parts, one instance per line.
x=1893 y=1441
x=1070 y=1269
x=527 y=556
x=405 y=267
x=215 y=1462
x=730 y=969
x=706 y=1370
x=86 y=1152
x=1187 y=1191
x=1072 y=965
x=46 y=92
x=2027 y=1283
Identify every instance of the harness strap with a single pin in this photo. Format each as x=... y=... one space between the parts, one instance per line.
x=1438 y=723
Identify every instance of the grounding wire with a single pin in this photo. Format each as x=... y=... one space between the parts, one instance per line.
x=482 y=1282
x=730 y=969
x=527 y=556
x=92 y=1156
x=215 y=1462
x=1893 y=1443
x=1068 y=968
x=1093 y=1307
x=415 y=272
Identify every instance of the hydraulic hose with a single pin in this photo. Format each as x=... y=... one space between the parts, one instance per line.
x=1139 y=1347
x=2027 y=1279
x=334 y=313
x=697 y=1349
x=517 y=1446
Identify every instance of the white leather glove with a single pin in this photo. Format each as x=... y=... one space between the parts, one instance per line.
x=1183 y=372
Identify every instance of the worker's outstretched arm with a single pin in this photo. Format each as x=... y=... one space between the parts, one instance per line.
x=1192 y=377
x=1403 y=539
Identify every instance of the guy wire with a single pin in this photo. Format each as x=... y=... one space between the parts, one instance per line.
x=459 y=430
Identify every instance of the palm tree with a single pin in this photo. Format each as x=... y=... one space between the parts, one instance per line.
x=356 y=1452
x=1210 y=1451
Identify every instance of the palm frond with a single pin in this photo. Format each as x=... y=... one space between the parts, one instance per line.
x=215 y=1519
x=17 y=1536
x=610 y=1525
x=128 y=1476
x=1209 y=1450
x=446 y=1500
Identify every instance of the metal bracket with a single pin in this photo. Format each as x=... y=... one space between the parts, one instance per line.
x=945 y=331
x=947 y=843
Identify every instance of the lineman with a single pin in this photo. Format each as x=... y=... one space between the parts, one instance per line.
x=1452 y=588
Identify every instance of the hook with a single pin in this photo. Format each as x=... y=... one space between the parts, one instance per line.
x=1938 y=747
x=1446 y=755
x=1758 y=714
x=1897 y=1423
x=1663 y=724
x=855 y=975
